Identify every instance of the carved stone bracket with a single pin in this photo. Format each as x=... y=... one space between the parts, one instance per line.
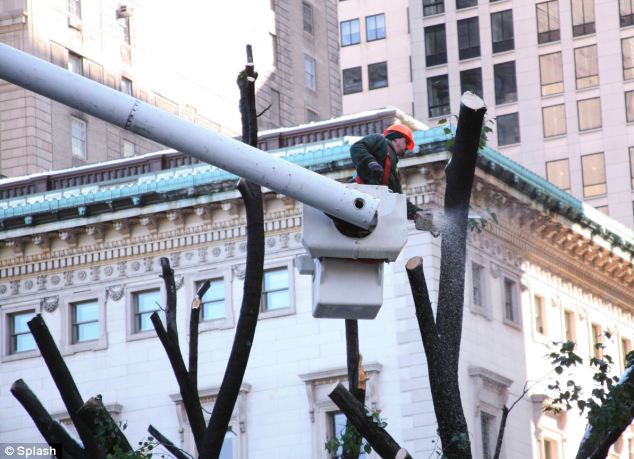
x=148 y=262
x=49 y=304
x=96 y=232
x=122 y=227
x=17 y=245
x=149 y=221
x=203 y=212
x=115 y=292
x=176 y=217
x=239 y=271
x=42 y=242
x=69 y=237
x=231 y=208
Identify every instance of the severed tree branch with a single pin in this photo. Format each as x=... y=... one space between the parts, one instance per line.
x=355 y=386
x=505 y=414
x=170 y=289
x=424 y=311
x=194 y=320
x=379 y=439
x=167 y=444
x=250 y=309
x=64 y=382
x=101 y=424
x=51 y=430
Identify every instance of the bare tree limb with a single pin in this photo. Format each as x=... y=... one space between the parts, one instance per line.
x=99 y=421
x=379 y=439
x=354 y=384
x=422 y=304
x=51 y=430
x=191 y=402
x=64 y=382
x=170 y=289
x=194 y=320
x=167 y=444
x=505 y=414
x=250 y=309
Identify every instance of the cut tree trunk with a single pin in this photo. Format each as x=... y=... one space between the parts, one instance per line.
x=354 y=385
x=97 y=418
x=167 y=444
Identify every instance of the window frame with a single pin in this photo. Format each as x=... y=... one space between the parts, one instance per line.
x=68 y=345
x=308 y=18
x=589 y=80
x=483 y=309
x=373 y=86
x=509 y=96
x=375 y=28
x=6 y=314
x=628 y=72
x=126 y=33
x=79 y=60
x=226 y=275
x=439 y=56
x=631 y=153
x=129 y=298
x=310 y=80
x=73 y=8
x=463 y=84
x=350 y=35
x=506 y=43
x=548 y=124
x=551 y=33
x=582 y=28
x=540 y=317
x=579 y=118
x=602 y=191
x=572 y=331
x=515 y=320
x=433 y=7
x=629 y=103
x=626 y=15
x=356 y=90
x=126 y=86
x=556 y=182
x=466 y=4
x=515 y=141
x=79 y=149
x=445 y=108
x=264 y=313
x=471 y=51
x=596 y=338
x=125 y=152
x=555 y=86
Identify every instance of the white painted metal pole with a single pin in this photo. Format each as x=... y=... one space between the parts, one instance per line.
x=153 y=123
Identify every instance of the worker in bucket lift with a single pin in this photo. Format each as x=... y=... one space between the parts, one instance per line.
x=375 y=157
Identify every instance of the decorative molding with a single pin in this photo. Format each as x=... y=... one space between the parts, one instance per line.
x=95 y=272
x=122 y=227
x=230 y=249
x=115 y=292
x=176 y=217
x=202 y=255
x=175 y=258
x=96 y=232
x=150 y=223
x=69 y=237
x=17 y=245
x=49 y=304
x=41 y=282
x=148 y=263
x=15 y=287
x=68 y=278
x=239 y=271
x=231 y=208
x=41 y=241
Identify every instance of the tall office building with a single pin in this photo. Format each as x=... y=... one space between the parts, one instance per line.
x=557 y=76
x=183 y=59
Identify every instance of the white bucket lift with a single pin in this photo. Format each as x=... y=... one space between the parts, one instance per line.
x=348 y=271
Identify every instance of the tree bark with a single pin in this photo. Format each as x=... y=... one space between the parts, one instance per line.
x=103 y=427
x=194 y=320
x=191 y=402
x=51 y=430
x=441 y=337
x=597 y=440
x=64 y=382
x=167 y=444
x=500 y=439
x=378 y=438
x=354 y=385
x=250 y=309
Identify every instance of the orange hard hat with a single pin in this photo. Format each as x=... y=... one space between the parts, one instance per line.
x=404 y=131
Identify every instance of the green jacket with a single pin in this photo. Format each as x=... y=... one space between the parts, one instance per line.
x=375 y=147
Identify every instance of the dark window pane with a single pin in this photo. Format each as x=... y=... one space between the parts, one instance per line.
x=375 y=27
x=502 y=31
x=308 y=17
x=548 y=21
x=626 y=11
x=377 y=75
x=471 y=80
x=352 y=80
x=438 y=95
x=465 y=3
x=435 y=45
x=468 y=38
x=505 y=83
x=582 y=17
x=431 y=7
x=508 y=129
x=627 y=46
x=350 y=34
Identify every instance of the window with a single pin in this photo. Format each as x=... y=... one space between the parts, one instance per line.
x=435 y=45
x=551 y=73
x=505 y=83
x=471 y=80
x=307 y=11
x=274 y=50
x=377 y=75
x=589 y=112
x=375 y=27
x=554 y=118
x=276 y=290
x=626 y=12
x=465 y=3
x=586 y=67
x=431 y=7
x=629 y=106
x=350 y=34
x=596 y=339
x=309 y=73
x=477 y=285
x=502 y=31
x=352 y=80
x=582 y=17
x=570 y=329
x=508 y=129
x=631 y=149
x=20 y=337
x=213 y=301
x=627 y=46
x=75 y=63
x=337 y=424
x=540 y=314
x=276 y=109
x=78 y=137
x=129 y=148
x=74 y=7
x=603 y=209
x=126 y=86
x=593 y=172
x=548 y=21
x=468 y=38
x=145 y=303
x=626 y=348
x=487 y=433
x=85 y=321
x=438 y=95
x=311 y=116
x=511 y=302
x=558 y=173
x=124 y=23
x=551 y=448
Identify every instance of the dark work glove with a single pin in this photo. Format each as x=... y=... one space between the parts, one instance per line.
x=376 y=172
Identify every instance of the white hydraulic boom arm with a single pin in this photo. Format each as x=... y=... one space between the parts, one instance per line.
x=286 y=178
